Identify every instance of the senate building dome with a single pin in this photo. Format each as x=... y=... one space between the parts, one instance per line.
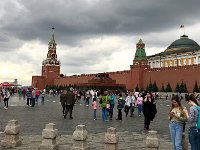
x=183 y=43
x=181 y=52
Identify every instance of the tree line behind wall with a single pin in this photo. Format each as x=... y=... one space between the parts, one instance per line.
x=66 y=87
x=180 y=87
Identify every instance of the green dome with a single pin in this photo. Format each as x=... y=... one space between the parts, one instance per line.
x=183 y=42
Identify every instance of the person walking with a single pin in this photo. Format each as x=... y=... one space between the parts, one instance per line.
x=87 y=101
x=149 y=110
x=28 y=97
x=6 y=98
x=177 y=116
x=37 y=94
x=120 y=106
x=112 y=104
x=193 y=133
x=70 y=101
x=132 y=107
x=105 y=99
x=63 y=102
x=33 y=98
x=128 y=103
x=43 y=95
x=139 y=104
x=94 y=105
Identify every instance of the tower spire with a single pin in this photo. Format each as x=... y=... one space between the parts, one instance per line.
x=51 y=55
x=52 y=40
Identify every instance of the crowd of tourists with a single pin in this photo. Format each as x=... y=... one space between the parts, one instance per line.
x=105 y=101
x=30 y=94
x=127 y=102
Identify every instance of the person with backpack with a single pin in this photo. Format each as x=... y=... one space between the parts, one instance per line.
x=193 y=119
x=120 y=106
x=105 y=98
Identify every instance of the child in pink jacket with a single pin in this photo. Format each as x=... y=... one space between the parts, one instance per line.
x=94 y=105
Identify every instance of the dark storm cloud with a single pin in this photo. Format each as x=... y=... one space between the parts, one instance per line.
x=75 y=20
x=86 y=58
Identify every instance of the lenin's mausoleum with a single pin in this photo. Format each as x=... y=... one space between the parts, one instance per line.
x=180 y=62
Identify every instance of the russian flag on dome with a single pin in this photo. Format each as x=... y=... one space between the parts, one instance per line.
x=182 y=26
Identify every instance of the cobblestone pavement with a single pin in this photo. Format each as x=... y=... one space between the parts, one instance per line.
x=130 y=129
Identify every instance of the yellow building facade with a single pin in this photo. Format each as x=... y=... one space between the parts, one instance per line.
x=181 y=52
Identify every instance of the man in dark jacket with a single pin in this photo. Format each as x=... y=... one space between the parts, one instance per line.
x=70 y=100
x=63 y=102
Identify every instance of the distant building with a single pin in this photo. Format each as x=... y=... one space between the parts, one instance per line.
x=50 y=67
x=181 y=52
x=178 y=63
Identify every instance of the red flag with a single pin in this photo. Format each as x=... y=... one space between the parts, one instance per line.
x=182 y=26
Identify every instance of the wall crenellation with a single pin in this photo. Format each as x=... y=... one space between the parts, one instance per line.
x=194 y=66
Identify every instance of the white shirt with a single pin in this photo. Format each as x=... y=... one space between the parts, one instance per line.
x=128 y=100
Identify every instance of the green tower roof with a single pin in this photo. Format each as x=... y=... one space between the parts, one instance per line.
x=140 y=53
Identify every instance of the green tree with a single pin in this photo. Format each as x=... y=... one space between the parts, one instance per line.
x=150 y=86
x=185 y=88
x=47 y=87
x=196 y=88
x=142 y=89
x=137 y=88
x=177 y=89
x=162 y=88
x=182 y=87
x=154 y=87
x=168 y=88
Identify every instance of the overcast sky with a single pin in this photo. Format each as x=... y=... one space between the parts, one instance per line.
x=92 y=35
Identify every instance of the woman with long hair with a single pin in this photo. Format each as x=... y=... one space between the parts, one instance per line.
x=177 y=116
x=149 y=110
x=193 y=134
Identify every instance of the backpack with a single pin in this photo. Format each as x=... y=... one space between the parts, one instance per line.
x=198 y=122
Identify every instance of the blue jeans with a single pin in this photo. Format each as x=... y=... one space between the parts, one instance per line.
x=95 y=114
x=176 y=131
x=42 y=99
x=104 y=113
x=111 y=110
x=139 y=109
x=193 y=136
x=131 y=108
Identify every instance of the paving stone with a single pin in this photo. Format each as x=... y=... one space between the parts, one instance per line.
x=130 y=129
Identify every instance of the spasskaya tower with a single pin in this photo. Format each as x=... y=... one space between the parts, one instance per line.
x=50 y=66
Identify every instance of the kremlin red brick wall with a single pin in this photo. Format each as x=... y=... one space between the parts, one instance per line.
x=75 y=79
x=38 y=82
x=173 y=75
x=142 y=77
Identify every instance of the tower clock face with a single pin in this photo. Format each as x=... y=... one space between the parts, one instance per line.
x=53 y=56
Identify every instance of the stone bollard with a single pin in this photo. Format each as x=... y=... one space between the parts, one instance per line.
x=49 y=135
x=152 y=141
x=80 y=136
x=11 y=138
x=111 y=139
